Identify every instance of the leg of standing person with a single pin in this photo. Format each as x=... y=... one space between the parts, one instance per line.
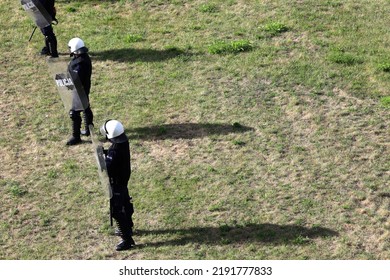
x=50 y=47
x=76 y=125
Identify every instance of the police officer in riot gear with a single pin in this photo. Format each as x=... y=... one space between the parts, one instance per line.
x=50 y=47
x=119 y=171
x=80 y=67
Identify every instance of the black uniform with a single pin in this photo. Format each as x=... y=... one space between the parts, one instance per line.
x=119 y=171
x=50 y=38
x=80 y=67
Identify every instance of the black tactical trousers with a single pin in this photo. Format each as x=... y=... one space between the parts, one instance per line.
x=122 y=211
x=76 y=120
x=50 y=40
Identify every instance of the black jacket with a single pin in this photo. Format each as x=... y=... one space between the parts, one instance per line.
x=118 y=164
x=82 y=67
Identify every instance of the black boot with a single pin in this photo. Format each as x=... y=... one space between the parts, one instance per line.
x=126 y=232
x=125 y=244
x=45 y=51
x=73 y=141
x=76 y=124
x=52 y=45
x=50 y=42
x=88 y=120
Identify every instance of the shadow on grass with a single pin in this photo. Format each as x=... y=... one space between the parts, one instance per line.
x=184 y=131
x=264 y=233
x=133 y=55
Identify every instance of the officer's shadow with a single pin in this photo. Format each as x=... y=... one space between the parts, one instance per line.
x=252 y=233
x=144 y=55
x=185 y=131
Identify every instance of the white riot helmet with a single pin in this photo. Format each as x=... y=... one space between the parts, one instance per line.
x=114 y=131
x=77 y=46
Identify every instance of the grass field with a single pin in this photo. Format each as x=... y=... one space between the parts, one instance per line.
x=258 y=130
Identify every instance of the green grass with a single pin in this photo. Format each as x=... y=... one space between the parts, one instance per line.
x=385 y=66
x=133 y=38
x=208 y=8
x=275 y=28
x=344 y=58
x=222 y=47
x=385 y=101
x=14 y=189
x=258 y=130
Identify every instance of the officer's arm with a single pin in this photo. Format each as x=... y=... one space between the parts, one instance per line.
x=81 y=72
x=110 y=162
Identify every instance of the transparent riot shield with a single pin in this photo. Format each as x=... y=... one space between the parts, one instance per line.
x=37 y=12
x=101 y=163
x=69 y=86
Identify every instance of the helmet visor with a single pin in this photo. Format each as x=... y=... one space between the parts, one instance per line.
x=103 y=130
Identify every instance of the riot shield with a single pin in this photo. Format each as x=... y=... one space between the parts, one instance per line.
x=69 y=86
x=101 y=163
x=37 y=12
